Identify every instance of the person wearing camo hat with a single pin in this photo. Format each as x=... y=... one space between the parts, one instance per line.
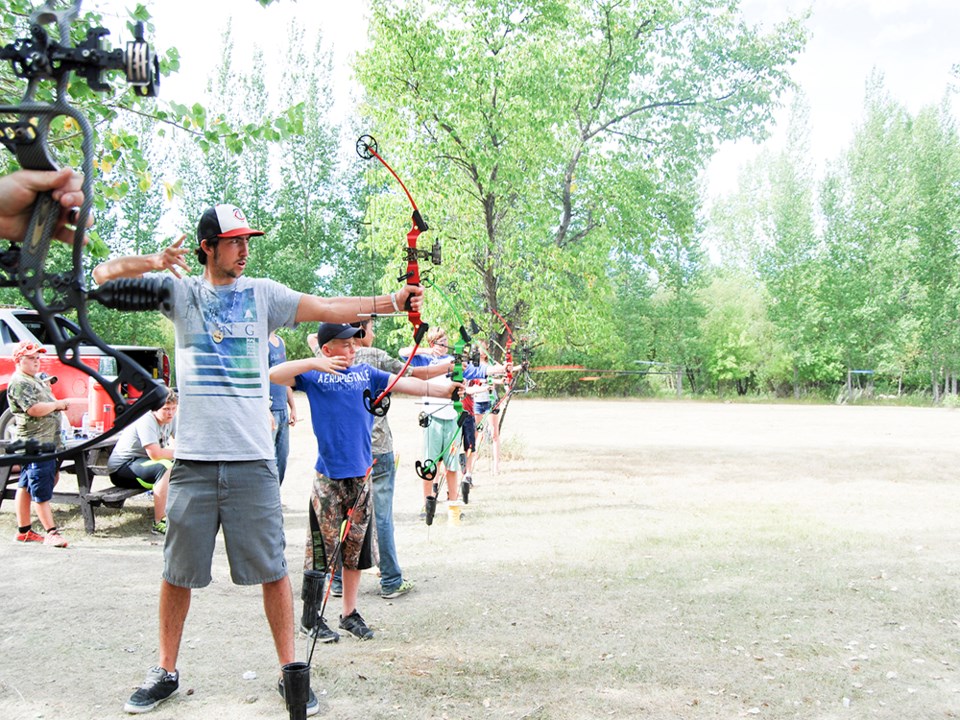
x=37 y=416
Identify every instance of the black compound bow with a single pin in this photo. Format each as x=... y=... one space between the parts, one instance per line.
x=23 y=265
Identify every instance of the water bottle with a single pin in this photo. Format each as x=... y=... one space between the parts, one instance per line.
x=85 y=424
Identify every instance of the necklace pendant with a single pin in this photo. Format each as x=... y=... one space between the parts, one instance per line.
x=217 y=336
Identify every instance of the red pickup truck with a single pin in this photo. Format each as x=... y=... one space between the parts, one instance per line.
x=17 y=324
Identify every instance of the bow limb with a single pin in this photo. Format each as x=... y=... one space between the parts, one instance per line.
x=508 y=360
x=507 y=351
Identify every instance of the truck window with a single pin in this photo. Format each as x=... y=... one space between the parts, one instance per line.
x=6 y=336
x=33 y=323
x=36 y=328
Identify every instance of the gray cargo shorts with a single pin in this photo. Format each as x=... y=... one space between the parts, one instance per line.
x=243 y=498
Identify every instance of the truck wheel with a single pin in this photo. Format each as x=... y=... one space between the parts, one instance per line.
x=6 y=424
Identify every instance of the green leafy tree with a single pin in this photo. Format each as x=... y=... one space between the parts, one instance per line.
x=935 y=168
x=868 y=211
x=316 y=232
x=679 y=265
x=788 y=263
x=736 y=336
x=129 y=224
x=539 y=135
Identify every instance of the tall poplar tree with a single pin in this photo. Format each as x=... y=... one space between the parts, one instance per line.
x=868 y=290
x=935 y=264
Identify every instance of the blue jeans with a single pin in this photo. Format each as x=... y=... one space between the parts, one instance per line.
x=383 y=477
x=281 y=440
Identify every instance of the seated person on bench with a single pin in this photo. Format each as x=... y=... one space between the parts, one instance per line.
x=143 y=457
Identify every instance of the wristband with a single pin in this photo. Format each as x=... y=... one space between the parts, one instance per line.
x=393 y=300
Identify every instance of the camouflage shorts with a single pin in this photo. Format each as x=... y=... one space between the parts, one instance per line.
x=330 y=502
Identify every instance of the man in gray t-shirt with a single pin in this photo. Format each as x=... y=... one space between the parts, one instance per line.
x=224 y=473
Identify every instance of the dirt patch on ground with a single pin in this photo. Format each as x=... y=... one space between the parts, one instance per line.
x=632 y=559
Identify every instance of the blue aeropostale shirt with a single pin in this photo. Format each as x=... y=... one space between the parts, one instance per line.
x=341 y=423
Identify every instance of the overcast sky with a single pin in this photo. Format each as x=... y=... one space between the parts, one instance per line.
x=912 y=42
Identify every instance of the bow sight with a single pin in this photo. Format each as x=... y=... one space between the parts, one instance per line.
x=39 y=57
x=24 y=265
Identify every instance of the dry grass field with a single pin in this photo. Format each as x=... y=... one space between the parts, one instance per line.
x=631 y=560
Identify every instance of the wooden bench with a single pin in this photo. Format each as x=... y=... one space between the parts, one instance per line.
x=85 y=467
x=113 y=496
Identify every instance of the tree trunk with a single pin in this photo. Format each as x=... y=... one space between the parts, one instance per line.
x=796 y=382
x=935 y=382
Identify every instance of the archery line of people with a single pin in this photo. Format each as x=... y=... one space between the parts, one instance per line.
x=444 y=430
x=223 y=471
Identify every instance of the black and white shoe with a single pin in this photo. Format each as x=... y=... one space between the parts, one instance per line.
x=321 y=632
x=159 y=686
x=355 y=625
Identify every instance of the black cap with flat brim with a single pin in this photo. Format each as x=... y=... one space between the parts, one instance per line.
x=336 y=331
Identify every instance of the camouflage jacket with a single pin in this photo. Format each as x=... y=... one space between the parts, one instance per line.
x=24 y=392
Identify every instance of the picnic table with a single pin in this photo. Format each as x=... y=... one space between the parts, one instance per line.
x=85 y=466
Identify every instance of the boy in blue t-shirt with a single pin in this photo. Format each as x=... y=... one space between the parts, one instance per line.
x=342 y=426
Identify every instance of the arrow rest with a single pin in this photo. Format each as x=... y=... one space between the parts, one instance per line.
x=433 y=254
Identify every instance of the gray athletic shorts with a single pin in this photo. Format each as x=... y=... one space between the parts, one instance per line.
x=243 y=497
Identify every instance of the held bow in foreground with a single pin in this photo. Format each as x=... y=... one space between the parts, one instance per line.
x=24 y=264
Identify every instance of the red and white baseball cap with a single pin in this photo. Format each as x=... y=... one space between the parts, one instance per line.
x=26 y=347
x=223 y=221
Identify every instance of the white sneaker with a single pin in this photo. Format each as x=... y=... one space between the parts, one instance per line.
x=55 y=539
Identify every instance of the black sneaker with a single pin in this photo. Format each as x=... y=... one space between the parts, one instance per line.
x=313 y=705
x=430 y=508
x=321 y=632
x=355 y=625
x=158 y=686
